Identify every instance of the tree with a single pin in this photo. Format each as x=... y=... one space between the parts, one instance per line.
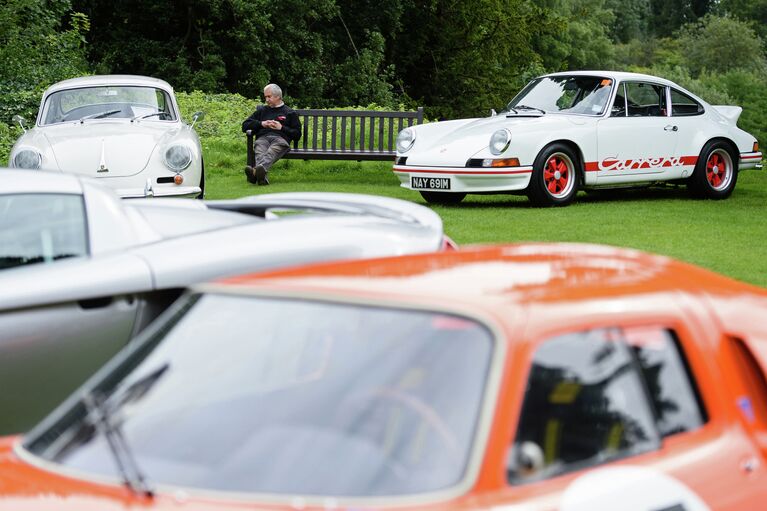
x=36 y=50
x=719 y=44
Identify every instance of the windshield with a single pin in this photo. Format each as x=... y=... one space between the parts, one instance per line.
x=289 y=397
x=108 y=102
x=587 y=95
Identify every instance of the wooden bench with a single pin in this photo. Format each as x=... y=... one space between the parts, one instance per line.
x=346 y=134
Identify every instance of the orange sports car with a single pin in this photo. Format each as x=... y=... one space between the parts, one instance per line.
x=525 y=377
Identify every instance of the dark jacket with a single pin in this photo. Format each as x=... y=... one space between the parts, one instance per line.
x=291 y=125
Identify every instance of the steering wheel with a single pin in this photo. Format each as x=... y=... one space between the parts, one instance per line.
x=395 y=397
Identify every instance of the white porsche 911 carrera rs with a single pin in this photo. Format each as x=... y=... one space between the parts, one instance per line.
x=578 y=130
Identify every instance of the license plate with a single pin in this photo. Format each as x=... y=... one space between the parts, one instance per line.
x=430 y=183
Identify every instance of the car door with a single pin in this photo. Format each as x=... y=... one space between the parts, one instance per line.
x=619 y=413
x=63 y=313
x=637 y=141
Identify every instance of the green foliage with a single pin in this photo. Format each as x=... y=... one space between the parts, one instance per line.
x=36 y=50
x=719 y=44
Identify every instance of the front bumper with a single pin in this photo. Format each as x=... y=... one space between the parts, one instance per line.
x=466 y=180
x=159 y=191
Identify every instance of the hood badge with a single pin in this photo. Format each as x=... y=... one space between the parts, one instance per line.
x=103 y=162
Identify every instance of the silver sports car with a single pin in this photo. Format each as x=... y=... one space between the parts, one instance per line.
x=83 y=271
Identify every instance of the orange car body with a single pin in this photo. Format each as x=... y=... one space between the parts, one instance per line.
x=526 y=294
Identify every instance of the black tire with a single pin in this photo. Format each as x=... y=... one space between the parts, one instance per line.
x=202 y=181
x=716 y=171
x=443 y=198
x=555 y=176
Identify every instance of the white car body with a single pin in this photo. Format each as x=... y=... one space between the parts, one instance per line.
x=610 y=146
x=119 y=129
x=82 y=272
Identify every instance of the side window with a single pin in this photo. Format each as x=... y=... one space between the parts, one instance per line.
x=599 y=395
x=645 y=100
x=41 y=228
x=682 y=104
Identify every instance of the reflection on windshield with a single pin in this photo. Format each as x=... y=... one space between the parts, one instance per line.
x=107 y=102
x=587 y=95
x=292 y=397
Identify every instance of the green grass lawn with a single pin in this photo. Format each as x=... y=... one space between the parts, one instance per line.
x=728 y=236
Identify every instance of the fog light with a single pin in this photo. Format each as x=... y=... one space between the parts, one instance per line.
x=178 y=179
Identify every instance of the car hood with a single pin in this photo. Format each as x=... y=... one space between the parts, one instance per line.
x=456 y=141
x=106 y=149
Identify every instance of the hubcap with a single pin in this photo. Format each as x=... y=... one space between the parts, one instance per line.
x=558 y=175
x=719 y=169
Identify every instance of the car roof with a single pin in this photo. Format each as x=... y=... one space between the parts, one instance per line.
x=16 y=181
x=522 y=280
x=97 y=80
x=618 y=76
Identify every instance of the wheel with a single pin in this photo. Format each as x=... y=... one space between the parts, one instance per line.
x=443 y=198
x=716 y=172
x=555 y=177
x=202 y=181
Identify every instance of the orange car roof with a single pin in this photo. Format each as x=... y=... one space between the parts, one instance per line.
x=522 y=273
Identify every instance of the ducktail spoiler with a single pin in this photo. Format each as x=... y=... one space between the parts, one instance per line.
x=731 y=113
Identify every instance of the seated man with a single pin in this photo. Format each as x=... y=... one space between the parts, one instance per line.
x=274 y=127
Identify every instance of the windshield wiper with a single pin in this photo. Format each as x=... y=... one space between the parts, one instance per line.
x=100 y=414
x=525 y=107
x=148 y=115
x=126 y=464
x=100 y=115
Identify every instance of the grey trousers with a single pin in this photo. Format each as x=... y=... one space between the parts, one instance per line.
x=269 y=149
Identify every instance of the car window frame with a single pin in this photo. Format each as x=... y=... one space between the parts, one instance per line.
x=666 y=98
x=702 y=110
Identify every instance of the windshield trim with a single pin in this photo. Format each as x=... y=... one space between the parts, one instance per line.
x=477 y=447
x=44 y=102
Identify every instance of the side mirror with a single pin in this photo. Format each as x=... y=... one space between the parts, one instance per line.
x=197 y=116
x=20 y=120
x=492 y=112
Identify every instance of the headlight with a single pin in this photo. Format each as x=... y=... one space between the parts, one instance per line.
x=405 y=140
x=178 y=157
x=27 y=159
x=500 y=141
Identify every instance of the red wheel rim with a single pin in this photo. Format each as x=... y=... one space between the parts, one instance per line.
x=719 y=169
x=558 y=175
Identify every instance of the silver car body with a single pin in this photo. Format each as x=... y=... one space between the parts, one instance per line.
x=61 y=320
x=125 y=130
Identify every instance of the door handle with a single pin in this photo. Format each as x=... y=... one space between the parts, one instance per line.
x=671 y=128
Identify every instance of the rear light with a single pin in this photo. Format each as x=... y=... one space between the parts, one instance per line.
x=448 y=245
x=756 y=147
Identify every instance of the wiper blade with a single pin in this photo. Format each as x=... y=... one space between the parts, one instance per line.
x=525 y=107
x=100 y=115
x=147 y=115
x=100 y=415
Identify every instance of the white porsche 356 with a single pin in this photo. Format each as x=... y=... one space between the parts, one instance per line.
x=577 y=130
x=125 y=130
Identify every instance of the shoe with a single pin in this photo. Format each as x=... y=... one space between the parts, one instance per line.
x=250 y=175
x=261 y=175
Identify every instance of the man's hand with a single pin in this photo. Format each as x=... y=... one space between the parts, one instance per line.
x=275 y=125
